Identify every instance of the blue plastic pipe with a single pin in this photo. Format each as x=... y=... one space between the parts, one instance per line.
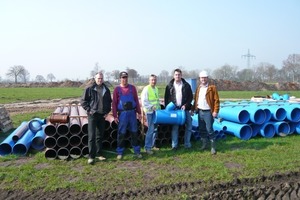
x=7 y=145
x=292 y=126
x=275 y=96
x=219 y=126
x=297 y=128
x=237 y=114
x=292 y=112
x=169 y=117
x=281 y=127
x=38 y=140
x=23 y=144
x=220 y=135
x=36 y=124
x=195 y=121
x=268 y=114
x=257 y=116
x=255 y=129
x=267 y=130
x=242 y=131
x=170 y=106
x=278 y=113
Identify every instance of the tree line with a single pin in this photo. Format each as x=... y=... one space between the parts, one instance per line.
x=263 y=72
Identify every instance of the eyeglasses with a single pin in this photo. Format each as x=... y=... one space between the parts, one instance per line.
x=124 y=77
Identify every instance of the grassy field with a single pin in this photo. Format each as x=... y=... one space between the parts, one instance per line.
x=235 y=158
x=12 y=95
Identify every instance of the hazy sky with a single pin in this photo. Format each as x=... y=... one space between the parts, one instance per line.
x=67 y=37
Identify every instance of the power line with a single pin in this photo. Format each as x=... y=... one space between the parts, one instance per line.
x=248 y=56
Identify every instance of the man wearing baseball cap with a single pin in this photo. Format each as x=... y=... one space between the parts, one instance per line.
x=126 y=110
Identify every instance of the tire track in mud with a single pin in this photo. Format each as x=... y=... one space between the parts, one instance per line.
x=278 y=186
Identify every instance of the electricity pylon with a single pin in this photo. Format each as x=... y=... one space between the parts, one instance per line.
x=248 y=56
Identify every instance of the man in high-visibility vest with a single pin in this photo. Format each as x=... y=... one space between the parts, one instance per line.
x=150 y=103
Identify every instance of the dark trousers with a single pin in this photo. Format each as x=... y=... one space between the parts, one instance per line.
x=96 y=128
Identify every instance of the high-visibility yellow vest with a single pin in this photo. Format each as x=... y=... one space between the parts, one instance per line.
x=153 y=97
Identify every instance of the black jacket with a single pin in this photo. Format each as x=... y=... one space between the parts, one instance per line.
x=89 y=99
x=187 y=94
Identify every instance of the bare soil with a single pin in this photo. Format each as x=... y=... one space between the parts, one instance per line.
x=278 y=186
x=39 y=105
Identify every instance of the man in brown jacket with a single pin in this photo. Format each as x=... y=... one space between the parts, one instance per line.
x=206 y=105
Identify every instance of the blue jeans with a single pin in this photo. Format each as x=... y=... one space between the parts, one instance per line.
x=151 y=132
x=205 y=121
x=187 y=133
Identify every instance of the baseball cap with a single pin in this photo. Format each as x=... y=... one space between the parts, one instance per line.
x=123 y=74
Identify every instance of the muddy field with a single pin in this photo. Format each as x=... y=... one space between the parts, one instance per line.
x=278 y=186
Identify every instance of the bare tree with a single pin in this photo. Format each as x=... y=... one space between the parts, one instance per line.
x=164 y=76
x=226 y=72
x=132 y=74
x=115 y=75
x=245 y=75
x=50 y=77
x=271 y=72
x=25 y=76
x=16 y=72
x=40 y=79
x=291 y=67
x=108 y=75
x=193 y=73
x=265 y=72
x=96 y=69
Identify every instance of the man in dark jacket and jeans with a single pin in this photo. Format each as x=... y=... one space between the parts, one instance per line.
x=96 y=100
x=180 y=93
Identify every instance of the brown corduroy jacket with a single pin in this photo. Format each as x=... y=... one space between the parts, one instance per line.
x=212 y=98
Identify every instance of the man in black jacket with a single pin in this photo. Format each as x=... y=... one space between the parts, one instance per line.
x=96 y=100
x=180 y=93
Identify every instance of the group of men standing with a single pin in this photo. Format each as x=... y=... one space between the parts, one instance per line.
x=97 y=102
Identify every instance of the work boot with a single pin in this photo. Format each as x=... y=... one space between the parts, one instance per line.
x=204 y=144
x=155 y=148
x=91 y=161
x=138 y=155
x=213 y=147
x=149 y=152
x=119 y=157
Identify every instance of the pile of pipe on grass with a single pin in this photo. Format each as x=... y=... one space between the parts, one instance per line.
x=64 y=134
x=267 y=118
x=67 y=133
x=28 y=134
